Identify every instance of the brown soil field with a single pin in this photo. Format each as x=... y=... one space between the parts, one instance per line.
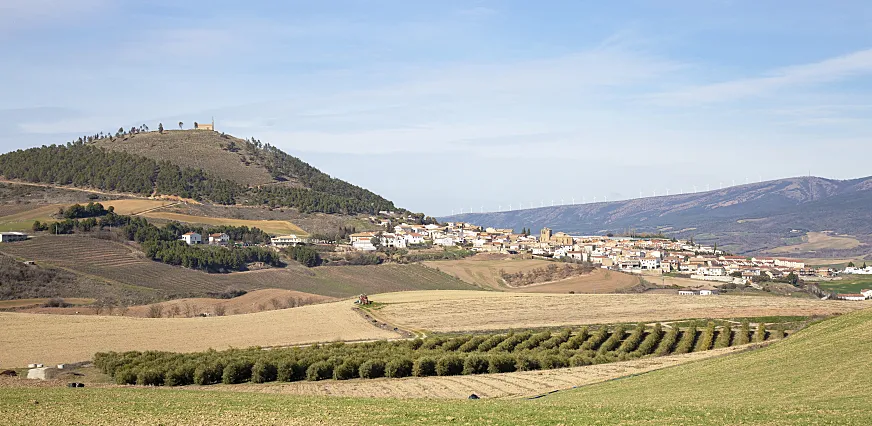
x=135 y=206
x=455 y=311
x=818 y=241
x=504 y=385
x=251 y=302
x=56 y=339
x=274 y=227
x=122 y=264
x=484 y=271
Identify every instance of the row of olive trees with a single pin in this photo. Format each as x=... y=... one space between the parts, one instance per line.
x=434 y=356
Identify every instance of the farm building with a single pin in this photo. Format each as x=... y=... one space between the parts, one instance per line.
x=219 y=239
x=192 y=238
x=686 y=292
x=7 y=237
x=287 y=240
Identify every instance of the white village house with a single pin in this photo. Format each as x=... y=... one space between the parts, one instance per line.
x=286 y=240
x=192 y=238
x=220 y=239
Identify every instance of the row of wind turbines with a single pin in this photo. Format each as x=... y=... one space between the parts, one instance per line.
x=604 y=199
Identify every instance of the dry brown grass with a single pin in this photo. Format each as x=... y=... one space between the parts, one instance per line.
x=450 y=311
x=818 y=241
x=194 y=148
x=484 y=271
x=55 y=339
x=134 y=206
x=251 y=302
x=274 y=227
x=504 y=385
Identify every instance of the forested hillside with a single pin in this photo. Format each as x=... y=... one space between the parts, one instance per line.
x=140 y=163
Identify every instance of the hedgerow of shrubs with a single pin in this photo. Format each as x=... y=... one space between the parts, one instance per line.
x=433 y=356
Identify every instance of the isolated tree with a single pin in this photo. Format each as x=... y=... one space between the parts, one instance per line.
x=792 y=278
x=181 y=124
x=196 y=125
x=160 y=128
x=864 y=265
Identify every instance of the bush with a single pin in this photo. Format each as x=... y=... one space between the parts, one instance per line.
x=760 y=335
x=471 y=344
x=668 y=342
x=556 y=340
x=613 y=341
x=491 y=342
x=401 y=367
x=512 y=341
x=263 y=372
x=372 y=369
x=576 y=341
x=534 y=341
x=548 y=362
x=580 y=361
x=433 y=343
x=596 y=340
x=475 y=364
x=651 y=340
x=724 y=337
x=347 y=370
x=708 y=336
x=415 y=344
x=685 y=345
x=180 y=376
x=453 y=344
x=290 y=371
x=634 y=340
x=449 y=365
x=150 y=377
x=236 y=372
x=208 y=374
x=744 y=334
x=526 y=363
x=424 y=367
x=501 y=363
x=320 y=370
x=125 y=376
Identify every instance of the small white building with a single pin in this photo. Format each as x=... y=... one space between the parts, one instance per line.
x=414 y=238
x=7 y=237
x=687 y=292
x=221 y=239
x=650 y=263
x=192 y=238
x=851 y=297
x=286 y=240
x=867 y=293
x=708 y=292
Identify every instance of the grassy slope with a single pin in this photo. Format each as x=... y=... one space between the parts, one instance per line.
x=848 y=284
x=818 y=376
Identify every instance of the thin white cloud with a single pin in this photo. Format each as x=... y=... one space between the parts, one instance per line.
x=829 y=70
x=15 y=14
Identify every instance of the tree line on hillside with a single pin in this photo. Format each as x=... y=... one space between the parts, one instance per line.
x=90 y=166
x=164 y=244
x=82 y=165
x=433 y=356
x=283 y=166
x=78 y=211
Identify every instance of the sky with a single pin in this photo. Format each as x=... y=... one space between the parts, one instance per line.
x=447 y=105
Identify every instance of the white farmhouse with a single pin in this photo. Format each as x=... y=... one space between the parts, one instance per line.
x=192 y=238
x=286 y=240
x=220 y=239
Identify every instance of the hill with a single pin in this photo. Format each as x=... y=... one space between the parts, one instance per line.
x=195 y=164
x=816 y=376
x=121 y=272
x=748 y=218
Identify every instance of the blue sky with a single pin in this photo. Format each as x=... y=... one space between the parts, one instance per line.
x=457 y=104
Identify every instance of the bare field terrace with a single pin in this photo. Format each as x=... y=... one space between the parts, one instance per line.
x=455 y=311
x=55 y=339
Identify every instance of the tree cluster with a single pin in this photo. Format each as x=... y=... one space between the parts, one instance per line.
x=307 y=256
x=548 y=273
x=78 y=211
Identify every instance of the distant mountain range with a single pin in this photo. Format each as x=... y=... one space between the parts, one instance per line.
x=749 y=218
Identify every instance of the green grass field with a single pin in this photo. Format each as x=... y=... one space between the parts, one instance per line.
x=848 y=285
x=818 y=376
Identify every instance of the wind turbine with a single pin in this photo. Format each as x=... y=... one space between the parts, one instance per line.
x=640 y=193
x=655 y=192
x=561 y=201
x=667 y=191
x=500 y=208
x=707 y=187
x=482 y=209
x=694 y=188
x=605 y=198
x=510 y=207
x=573 y=200
x=552 y=202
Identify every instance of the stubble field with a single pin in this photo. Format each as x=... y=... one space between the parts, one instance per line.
x=55 y=339
x=455 y=311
